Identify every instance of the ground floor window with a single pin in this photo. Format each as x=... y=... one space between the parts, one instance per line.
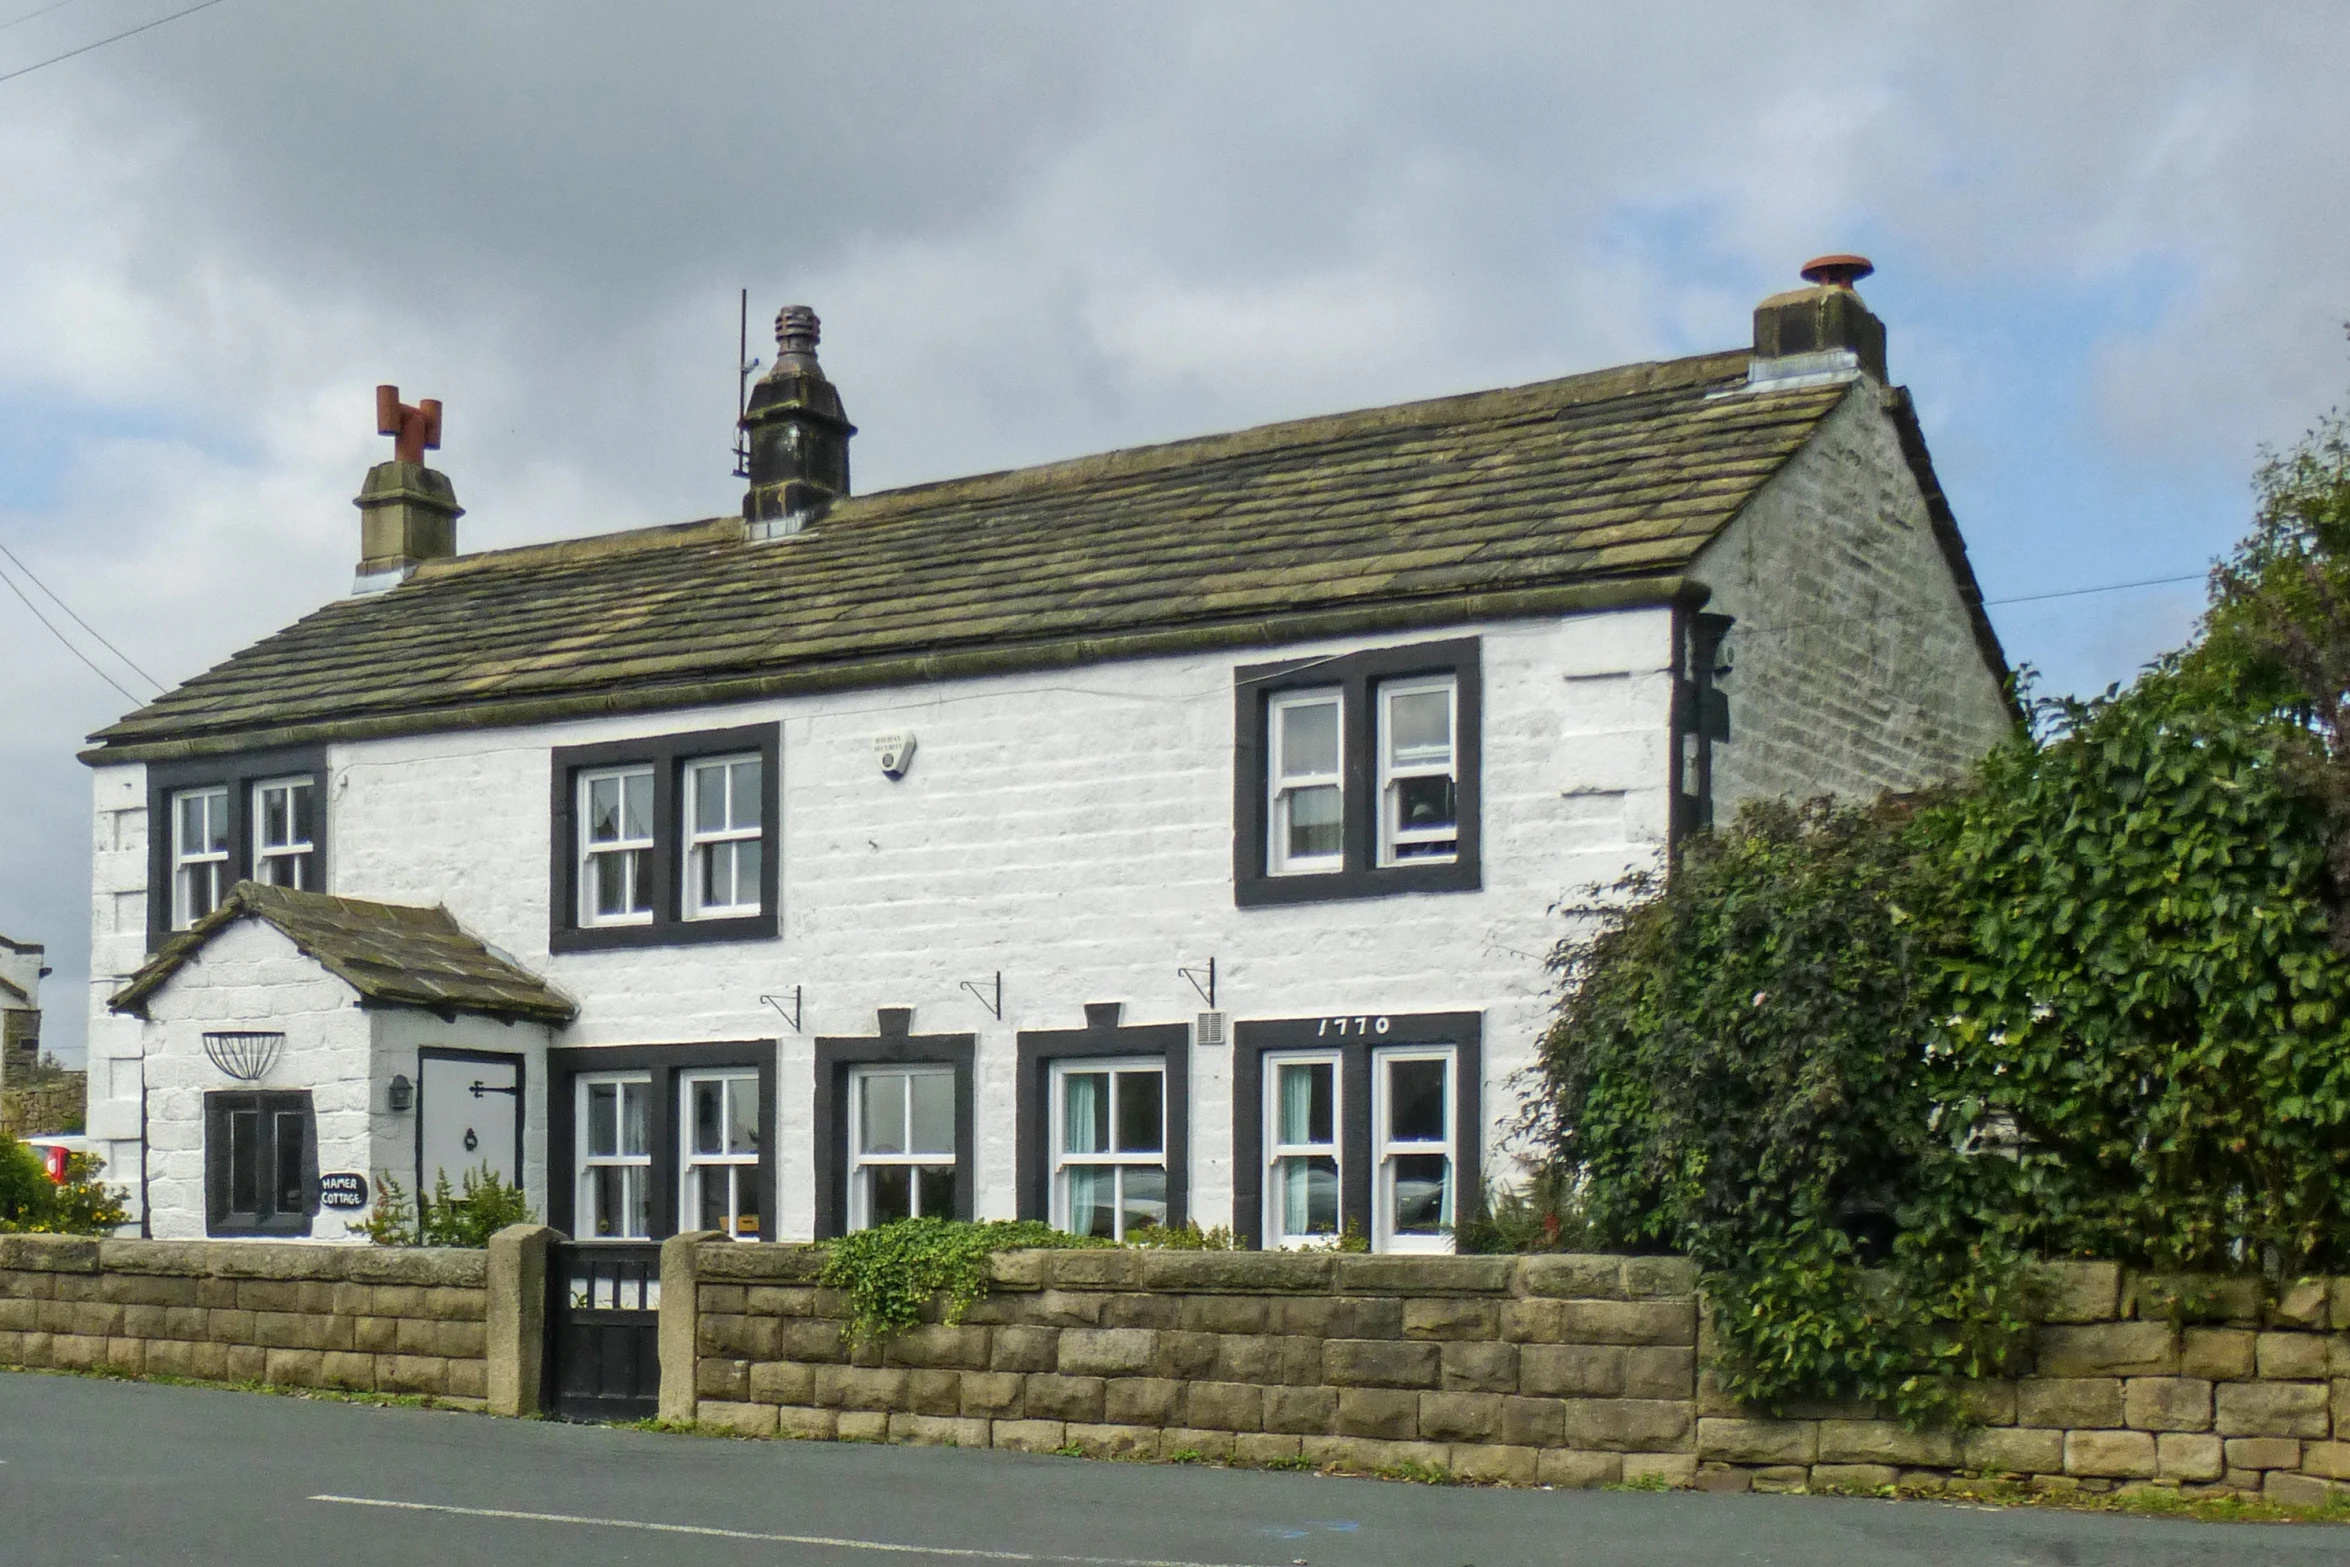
x=1110 y=1158
x=901 y=1144
x=1412 y=1140
x=1365 y=1125
x=260 y=1163
x=615 y=1200
x=720 y=1113
x=1302 y=1150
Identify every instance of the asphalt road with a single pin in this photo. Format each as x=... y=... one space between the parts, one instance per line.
x=94 y=1471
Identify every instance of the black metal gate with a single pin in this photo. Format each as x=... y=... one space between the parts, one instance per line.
x=604 y=1330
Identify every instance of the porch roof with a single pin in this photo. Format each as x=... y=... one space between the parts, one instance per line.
x=393 y=954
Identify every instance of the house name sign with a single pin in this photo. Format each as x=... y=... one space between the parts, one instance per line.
x=343 y=1189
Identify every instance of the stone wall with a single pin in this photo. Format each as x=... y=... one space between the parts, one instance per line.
x=352 y=1318
x=1566 y=1370
x=1856 y=667
x=1559 y=1370
x=2201 y=1383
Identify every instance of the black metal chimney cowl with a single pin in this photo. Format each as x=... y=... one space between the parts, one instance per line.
x=797 y=432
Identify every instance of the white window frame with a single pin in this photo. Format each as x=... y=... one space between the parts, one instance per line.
x=1277 y=1237
x=1280 y=784
x=1393 y=835
x=740 y=1171
x=696 y=841
x=187 y=864
x=590 y=851
x=1385 y=1150
x=860 y=1162
x=587 y=1162
x=299 y=855
x=1113 y=1159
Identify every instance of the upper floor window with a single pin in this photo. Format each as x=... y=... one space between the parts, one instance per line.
x=1419 y=789
x=200 y=873
x=667 y=839
x=616 y=846
x=220 y=820
x=1358 y=775
x=722 y=835
x=285 y=834
x=1110 y=1159
x=1308 y=793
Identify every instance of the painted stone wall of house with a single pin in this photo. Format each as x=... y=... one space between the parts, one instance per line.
x=399 y=1033
x=1856 y=668
x=118 y=945
x=1072 y=829
x=251 y=977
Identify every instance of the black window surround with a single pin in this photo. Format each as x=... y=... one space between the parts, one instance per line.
x=666 y=1064
x=1357 y=678
x=237 y=774
x=893 y=1045
x=521 y=1066
x=219 y=1217
x=667 y=755
x=1353 y=1038
x=1102 y=1038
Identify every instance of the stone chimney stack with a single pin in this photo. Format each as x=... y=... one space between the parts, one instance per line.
x=797 y=432
x=407 y=512
x=1821 y=332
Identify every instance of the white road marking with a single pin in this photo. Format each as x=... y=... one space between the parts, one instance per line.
x=961 y=1551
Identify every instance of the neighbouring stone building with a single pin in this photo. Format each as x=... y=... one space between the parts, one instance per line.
x=22 y=967
x=1173 y=834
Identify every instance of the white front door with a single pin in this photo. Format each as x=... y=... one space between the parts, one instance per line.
x=469 y=1114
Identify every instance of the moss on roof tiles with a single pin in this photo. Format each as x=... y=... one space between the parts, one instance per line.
x=1595 y=489
x=393 y=954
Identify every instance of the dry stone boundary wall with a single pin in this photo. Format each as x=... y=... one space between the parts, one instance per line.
x=342 y=1317
x=1558 y=1370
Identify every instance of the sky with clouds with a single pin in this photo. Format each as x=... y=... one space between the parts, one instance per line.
x=2113 y=244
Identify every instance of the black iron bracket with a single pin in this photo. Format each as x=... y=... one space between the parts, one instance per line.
x=793 y=1016
x=995 y=1007
x=1207 y=992
x=480 y=1088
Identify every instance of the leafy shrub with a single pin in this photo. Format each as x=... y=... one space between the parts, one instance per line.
x=483 y=1206
x=1187 y=1236
x=893 y=1271
x=1543 y=1213
x=2086 y=1006
x=2146 y=990
x=32 y=1204
x=1735 y=1073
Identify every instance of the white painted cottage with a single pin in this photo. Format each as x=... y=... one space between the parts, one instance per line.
x=1170 y=834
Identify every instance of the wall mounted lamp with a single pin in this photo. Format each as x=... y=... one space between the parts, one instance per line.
x=403 y=1095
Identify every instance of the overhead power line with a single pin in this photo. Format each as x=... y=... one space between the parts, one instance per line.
x=54 y=5
x=77 y=619
x=128 y=32
x=2110 y=587
x=69 y=647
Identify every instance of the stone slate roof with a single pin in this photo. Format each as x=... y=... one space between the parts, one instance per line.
x=393 y=954
x=1580 y=493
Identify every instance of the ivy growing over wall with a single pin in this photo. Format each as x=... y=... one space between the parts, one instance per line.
x=1864 y=1062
